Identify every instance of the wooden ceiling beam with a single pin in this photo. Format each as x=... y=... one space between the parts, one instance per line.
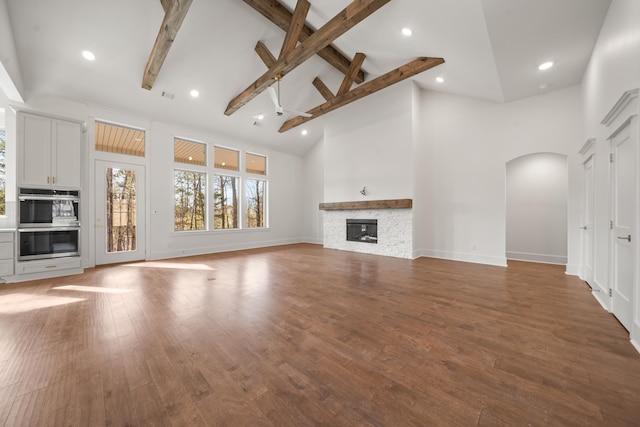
x=175 y=12
x=166 y=4
x=399 y=74
x=265 y=54
x=297 y=23
x=351 y=74
x=323 y=89
x=281 y=17
x=354 y=13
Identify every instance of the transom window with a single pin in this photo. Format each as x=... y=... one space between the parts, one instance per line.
x=226 y=158
x=256 y=164
x=189 y=152
x=119 y=139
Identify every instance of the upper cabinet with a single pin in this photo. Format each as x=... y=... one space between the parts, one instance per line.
x=48 y=152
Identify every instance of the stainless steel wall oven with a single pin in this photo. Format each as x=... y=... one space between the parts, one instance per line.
x=49 y=225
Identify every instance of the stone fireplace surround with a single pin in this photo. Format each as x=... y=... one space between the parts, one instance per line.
x=395 y=226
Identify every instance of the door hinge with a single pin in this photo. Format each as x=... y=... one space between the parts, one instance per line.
x=611 y=157
x=611 y=224
x=610 y=292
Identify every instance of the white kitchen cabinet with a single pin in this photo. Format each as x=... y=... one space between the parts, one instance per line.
x=6 y=253
x=48 y=152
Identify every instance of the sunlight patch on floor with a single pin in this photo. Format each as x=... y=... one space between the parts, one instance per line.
x=92 y=289
x=173 y=265
x=20 y=303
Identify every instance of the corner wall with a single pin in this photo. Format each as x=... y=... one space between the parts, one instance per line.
x=465 y=145
x=614 y=68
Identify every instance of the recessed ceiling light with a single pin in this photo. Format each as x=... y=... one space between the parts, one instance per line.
x=190 y=158
x=545 y=65
x=194 y=93
x=260 y=116
x=407 y=31
x=88 y=55
x=440 y=79
x=304 y=132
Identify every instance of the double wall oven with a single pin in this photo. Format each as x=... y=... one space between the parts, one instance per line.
x=48 y=223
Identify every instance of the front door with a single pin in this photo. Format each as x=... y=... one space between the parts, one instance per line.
x=622 y=225
x=119 y=225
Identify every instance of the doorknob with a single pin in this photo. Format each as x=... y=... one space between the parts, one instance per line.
x=584 y=227
x=627 y=238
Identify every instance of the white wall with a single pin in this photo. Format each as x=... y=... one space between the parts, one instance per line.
x=465 y=146
x=369 y=144
x=285 y=199
x=10 y=75
x=313 y=166
x=614 y=68
x=537 y=193
x=285 y=175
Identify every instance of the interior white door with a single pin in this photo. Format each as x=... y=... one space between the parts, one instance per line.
x=587 y=226
x=622 y=227
x=119 y=225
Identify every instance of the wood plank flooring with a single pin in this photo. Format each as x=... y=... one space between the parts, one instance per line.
x=301 y=336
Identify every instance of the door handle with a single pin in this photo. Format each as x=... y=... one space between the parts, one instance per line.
x=584 y=227
x=627 y=238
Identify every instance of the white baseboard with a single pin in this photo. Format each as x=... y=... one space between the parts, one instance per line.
x=635 y=335
x=544 y=258
x=158 y=255
x=312 y=240
x=601 y=294
x=460 y=256
x=573 y=270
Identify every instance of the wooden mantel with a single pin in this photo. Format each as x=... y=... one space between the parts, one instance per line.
x=368 y=204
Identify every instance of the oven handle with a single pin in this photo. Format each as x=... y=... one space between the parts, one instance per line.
x=27 y=230
x=52 y=198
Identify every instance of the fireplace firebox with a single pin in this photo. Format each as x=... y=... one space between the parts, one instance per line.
x=362 y=230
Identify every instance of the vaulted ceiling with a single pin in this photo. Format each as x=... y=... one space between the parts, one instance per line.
x=492 y=49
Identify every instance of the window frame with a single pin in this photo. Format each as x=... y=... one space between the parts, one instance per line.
x=212 y=172
x=206 y=198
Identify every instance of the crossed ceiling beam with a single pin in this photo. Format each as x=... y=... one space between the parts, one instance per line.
x=174 y=13
x=343 y=98
x=324 y=36
x=281 y=17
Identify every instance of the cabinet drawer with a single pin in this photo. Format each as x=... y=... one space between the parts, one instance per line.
x=6 y=267
x=6 y=250
x=56 y=264
x=6 y=236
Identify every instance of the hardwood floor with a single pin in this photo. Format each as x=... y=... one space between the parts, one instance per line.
x=299 y=335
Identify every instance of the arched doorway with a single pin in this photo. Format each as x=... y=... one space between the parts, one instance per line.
x=536 y=206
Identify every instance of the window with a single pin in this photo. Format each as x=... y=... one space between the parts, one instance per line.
x=190 y=201
x=193 y=153
x=225 y=202
x=119 y=139
x=256 y=164
x=226 y=158
x=256 y=191
x=228 y=193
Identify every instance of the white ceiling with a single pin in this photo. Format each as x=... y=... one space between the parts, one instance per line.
x=492 y=49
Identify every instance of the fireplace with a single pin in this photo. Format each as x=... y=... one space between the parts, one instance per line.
x=362 y=230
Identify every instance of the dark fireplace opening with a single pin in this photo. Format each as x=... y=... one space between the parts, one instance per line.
x=362 y=230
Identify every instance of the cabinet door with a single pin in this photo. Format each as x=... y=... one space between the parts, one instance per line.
x=65 y=163
x=34 y=150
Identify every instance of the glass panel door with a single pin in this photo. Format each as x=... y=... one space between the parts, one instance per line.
x=119 y=212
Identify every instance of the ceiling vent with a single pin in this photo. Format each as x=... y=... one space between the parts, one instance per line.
x=167 y=94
